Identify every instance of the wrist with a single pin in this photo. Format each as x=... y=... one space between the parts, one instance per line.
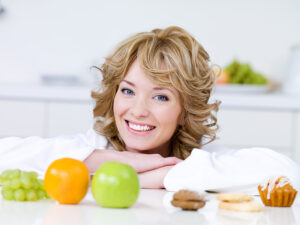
x=96 y=159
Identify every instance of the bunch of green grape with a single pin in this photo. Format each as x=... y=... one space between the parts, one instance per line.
x=22 y=186
x=242 y=73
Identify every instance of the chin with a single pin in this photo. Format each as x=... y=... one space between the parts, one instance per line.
x=139 y=148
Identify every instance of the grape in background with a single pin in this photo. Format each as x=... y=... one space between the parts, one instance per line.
x=242 y=73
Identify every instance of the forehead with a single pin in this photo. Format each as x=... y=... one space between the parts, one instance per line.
x=137 y=76
x=135 y=71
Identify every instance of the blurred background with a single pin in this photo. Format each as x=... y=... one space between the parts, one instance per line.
x=47 y=49
x=66 y=37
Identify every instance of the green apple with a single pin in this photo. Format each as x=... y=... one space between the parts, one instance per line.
x=115 y=185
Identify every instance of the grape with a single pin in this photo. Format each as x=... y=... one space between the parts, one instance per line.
x=41 y=194
x=233 y=67
x=20 y=195
x=15 y=183
x=41 y=184
x=25 y=174
x=22 y=186
x=35 y=184
x=31 y=195
x=5 y=174
x=6 y=188
x=26 y=182
x=14 y=174
x=6 y=184
x=242 y=73
x=33 y=175
x=8 y=194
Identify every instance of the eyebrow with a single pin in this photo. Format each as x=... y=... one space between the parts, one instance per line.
x=128 y=82
x=155 y=88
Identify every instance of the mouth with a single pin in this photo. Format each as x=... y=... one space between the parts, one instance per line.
x=139 y=127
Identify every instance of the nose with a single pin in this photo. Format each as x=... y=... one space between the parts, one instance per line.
x=139 y=109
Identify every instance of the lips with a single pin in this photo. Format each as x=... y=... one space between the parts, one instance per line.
x=139 y=127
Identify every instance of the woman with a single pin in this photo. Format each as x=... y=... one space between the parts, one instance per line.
x=152 y=107
x=151 y=111
x=154 y=100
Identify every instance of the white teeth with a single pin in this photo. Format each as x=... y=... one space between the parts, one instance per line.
x=138 y=127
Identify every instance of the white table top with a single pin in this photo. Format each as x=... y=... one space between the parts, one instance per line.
x=152 y=207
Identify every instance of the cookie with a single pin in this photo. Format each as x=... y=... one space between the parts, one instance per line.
x=186 y=195
x=188 y=200
x=234 y=197
x=188 y=205
x=250 y=206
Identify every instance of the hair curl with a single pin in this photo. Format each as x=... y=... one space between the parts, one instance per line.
x=185 y=67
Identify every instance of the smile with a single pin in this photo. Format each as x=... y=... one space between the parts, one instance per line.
x=139 y=127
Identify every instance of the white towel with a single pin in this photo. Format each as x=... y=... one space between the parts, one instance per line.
x=231 y=171
x=36 y=153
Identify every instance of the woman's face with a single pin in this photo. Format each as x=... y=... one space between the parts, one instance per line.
x=146 y=115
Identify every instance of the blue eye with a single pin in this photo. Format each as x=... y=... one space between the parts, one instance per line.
x=161 y=98
x=127 y=91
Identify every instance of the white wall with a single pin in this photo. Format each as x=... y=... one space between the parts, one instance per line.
x=68 y=36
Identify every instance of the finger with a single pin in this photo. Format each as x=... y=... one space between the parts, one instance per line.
x=177 y=160
x=154 y=162
x=169 y=161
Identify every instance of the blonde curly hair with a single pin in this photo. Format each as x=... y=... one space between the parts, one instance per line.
x=169 y=57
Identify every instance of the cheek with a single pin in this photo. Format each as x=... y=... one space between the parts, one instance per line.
x=119 y=107
x=169 y=117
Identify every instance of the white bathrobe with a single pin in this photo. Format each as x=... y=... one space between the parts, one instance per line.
x=214 y=168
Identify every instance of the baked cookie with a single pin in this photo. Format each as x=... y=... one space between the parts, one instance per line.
x=249 y=206
x=186 y=195
x=234 y=197
x=238 y=202
x=188 y=200
x=188 y=205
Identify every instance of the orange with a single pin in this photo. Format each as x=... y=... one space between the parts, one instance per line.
x=223 y=77
x=67 y=180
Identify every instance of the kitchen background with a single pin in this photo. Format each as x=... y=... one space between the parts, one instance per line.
x=48 y=47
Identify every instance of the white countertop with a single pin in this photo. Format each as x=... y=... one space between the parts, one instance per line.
x=277 y=100
x=46 y=93
x=152 y=207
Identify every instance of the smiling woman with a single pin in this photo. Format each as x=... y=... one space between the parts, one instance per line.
x=159 y=82
x=151 y=111
x=140 y=110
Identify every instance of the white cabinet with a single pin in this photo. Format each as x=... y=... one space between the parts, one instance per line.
x=44 y=118
x=22 y=118
x=252 y=128
x=68 y=118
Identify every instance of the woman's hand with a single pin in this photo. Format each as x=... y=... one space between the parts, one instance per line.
x=154 y=179
x=148 y=162
x=139 y=161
